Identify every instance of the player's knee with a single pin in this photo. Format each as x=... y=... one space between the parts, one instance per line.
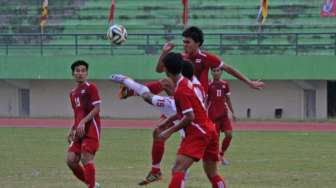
x=211 y=173
x=71 y=162
x=178 y=167
x=87 y=158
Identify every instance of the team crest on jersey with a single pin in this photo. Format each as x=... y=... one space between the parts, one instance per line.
x=82 y=91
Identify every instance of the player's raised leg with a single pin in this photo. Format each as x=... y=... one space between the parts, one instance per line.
x=130 y=83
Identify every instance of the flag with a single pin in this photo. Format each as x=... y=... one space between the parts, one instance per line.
x=44 y=14
x=263 y=11
x=328 y=8
x=112 y=10
x=185 y=14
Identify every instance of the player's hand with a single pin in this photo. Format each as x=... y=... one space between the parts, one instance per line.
x=168 y=47
x=165 y=135
x=80 y=131
x=72 y=135
x=256 y=84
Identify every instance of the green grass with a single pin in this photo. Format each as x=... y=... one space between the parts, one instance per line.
x=35 y=158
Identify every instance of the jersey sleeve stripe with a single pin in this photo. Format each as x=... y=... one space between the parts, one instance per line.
x=96 y=102
x=187 y=110
x=221 y=64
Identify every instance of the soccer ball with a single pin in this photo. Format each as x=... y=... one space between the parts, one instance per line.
x=117 y=34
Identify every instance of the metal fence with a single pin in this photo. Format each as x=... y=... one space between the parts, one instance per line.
x=150 y=43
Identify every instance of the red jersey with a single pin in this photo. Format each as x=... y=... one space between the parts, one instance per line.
x=202 y=62
x=218 y=89
x=83 y=98
x=187 y=101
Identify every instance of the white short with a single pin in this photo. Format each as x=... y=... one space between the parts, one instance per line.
x=166 y=105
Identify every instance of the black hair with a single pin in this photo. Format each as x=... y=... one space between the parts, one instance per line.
x=173 y=63
x=194 y=33
x=78 y=63
x=187 y=69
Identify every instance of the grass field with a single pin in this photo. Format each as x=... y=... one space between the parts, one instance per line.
x=32 y=157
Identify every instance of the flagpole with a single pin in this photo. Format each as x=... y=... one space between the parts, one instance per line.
x=112 y=11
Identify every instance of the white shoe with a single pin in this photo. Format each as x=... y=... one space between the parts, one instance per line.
x=225 y=162
x=118 y=78
x=97 y=185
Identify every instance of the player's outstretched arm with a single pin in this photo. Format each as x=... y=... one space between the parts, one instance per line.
x=253 y=84
x=165 y=50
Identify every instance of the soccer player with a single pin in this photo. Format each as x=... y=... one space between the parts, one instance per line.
x=202 y=61
x=201 y=140
x=166 y=105
x=84 y=135
x=218 y=102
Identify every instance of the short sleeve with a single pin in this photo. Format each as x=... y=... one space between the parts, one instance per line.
x=214 y=61
x=183 y=102
x=94 y=95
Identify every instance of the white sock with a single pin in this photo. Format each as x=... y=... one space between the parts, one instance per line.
x=138 y=88
x=157 y=166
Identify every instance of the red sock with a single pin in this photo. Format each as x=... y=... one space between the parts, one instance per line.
x=177 y=180
x=218 y=182
x=154 y=87
x=225 y=144
x=79 y=173
x=157 y=154
x=90 y=175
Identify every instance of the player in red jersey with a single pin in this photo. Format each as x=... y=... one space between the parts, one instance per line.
x=218 y=102
x=201 y=140
x=84 y=135
x=202 y=61
x=166 y=105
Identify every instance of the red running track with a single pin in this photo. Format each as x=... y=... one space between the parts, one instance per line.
x=149 y=124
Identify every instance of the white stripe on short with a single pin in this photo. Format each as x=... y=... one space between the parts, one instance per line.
x=199 y=128
x=96 y=126
x=187 y=110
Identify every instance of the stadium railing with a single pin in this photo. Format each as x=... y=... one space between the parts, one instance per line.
x=150 y=43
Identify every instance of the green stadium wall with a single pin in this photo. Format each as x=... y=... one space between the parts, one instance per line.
x=142 y=67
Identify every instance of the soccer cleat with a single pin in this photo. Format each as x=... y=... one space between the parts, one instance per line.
x=97 y=185
x=151 y=177
x=118 y=78
x=123 y=92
